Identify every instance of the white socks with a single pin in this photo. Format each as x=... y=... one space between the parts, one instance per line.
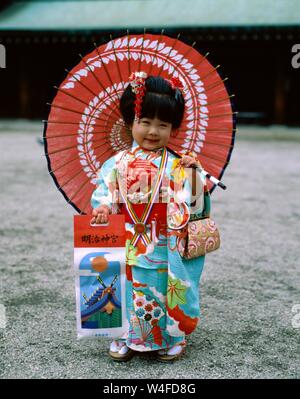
x=114 y=347
x=124 y=350
x=119 y=347
x=175 y=350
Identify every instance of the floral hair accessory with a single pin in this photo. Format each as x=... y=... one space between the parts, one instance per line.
x=176 y=83
x=137 y=82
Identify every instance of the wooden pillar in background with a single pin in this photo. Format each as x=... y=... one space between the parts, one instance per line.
x=280 y=96
x=24 y=91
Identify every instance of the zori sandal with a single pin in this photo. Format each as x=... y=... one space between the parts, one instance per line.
x=120 y=352
x=171 y=354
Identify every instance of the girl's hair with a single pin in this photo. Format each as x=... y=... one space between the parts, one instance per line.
x=160 y=100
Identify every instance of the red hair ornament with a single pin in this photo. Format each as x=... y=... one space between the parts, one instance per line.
x=137 y=82
x=175 y=83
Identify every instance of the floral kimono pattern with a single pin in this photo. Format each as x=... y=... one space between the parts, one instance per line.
x=162 y=287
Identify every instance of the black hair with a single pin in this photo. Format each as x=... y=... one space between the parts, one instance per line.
x=160 y=100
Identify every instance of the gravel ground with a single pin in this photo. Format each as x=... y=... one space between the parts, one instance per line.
x=248 y=287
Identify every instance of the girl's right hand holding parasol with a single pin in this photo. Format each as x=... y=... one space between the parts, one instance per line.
x=100 y=214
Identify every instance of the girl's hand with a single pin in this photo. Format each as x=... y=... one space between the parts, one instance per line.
x=100 y=214
x=188 y=161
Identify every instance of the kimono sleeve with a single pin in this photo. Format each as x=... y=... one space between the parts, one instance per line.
x=195 y=189
x=106 y=184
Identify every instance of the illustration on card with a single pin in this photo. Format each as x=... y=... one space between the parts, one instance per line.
x=100 y=292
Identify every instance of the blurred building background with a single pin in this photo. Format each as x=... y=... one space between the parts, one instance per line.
x=252 y=40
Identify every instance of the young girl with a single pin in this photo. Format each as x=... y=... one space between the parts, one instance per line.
x=151 y=185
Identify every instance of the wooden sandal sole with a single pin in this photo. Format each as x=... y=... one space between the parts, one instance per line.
x=170 y=358
x=117 y=357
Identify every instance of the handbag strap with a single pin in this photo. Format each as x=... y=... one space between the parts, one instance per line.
x=206 y=200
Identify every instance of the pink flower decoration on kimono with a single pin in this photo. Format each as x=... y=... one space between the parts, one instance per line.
x=139 y=302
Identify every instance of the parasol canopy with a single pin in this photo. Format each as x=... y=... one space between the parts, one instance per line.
x=85 y=126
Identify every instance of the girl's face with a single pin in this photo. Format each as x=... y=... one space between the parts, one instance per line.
x=151 y=134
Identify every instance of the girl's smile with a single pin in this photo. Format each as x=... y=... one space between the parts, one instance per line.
x=151 y=134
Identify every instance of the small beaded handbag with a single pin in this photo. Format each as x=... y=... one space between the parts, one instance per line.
x=202 y=234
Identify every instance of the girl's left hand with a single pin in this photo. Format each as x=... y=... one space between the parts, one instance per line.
x=188 y=161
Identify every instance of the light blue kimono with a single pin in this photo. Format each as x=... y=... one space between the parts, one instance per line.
x=162 y=287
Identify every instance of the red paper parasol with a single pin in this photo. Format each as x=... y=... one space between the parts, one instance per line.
x=85 y=126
